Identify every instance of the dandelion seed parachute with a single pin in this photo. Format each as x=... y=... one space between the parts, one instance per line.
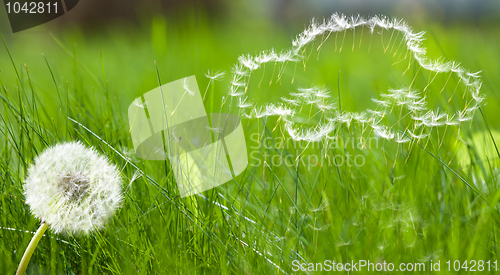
x=73 y=188
x=414 y=101
x=215 y=75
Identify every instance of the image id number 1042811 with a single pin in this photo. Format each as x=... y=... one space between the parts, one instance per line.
x=471 y=265
x=31 y=7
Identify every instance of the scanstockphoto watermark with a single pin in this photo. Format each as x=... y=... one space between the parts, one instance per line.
x=471 y=265
x=337 y=151
x=361 y=265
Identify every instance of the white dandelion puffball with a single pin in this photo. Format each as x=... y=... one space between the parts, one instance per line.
x=73 y=188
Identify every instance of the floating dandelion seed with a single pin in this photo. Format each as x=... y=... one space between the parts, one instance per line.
x=215 y=76
x=72 y=189
x=414 y=107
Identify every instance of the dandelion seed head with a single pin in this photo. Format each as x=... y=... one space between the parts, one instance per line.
x=215 y=76
x=138 y=103
x=135 y=176
x=242 y=103
x=73 y=188
x=185 y=85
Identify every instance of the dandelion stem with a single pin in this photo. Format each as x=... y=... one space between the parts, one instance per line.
x=31 y=248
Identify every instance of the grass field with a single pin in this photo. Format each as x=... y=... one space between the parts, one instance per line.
x=407 y=203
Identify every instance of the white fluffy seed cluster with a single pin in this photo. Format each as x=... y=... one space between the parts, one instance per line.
x=73 y=188
x=407 y=98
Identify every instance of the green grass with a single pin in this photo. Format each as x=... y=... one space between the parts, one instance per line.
x=405 y=204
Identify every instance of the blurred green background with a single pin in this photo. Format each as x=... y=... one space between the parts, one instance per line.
x=93 y=62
